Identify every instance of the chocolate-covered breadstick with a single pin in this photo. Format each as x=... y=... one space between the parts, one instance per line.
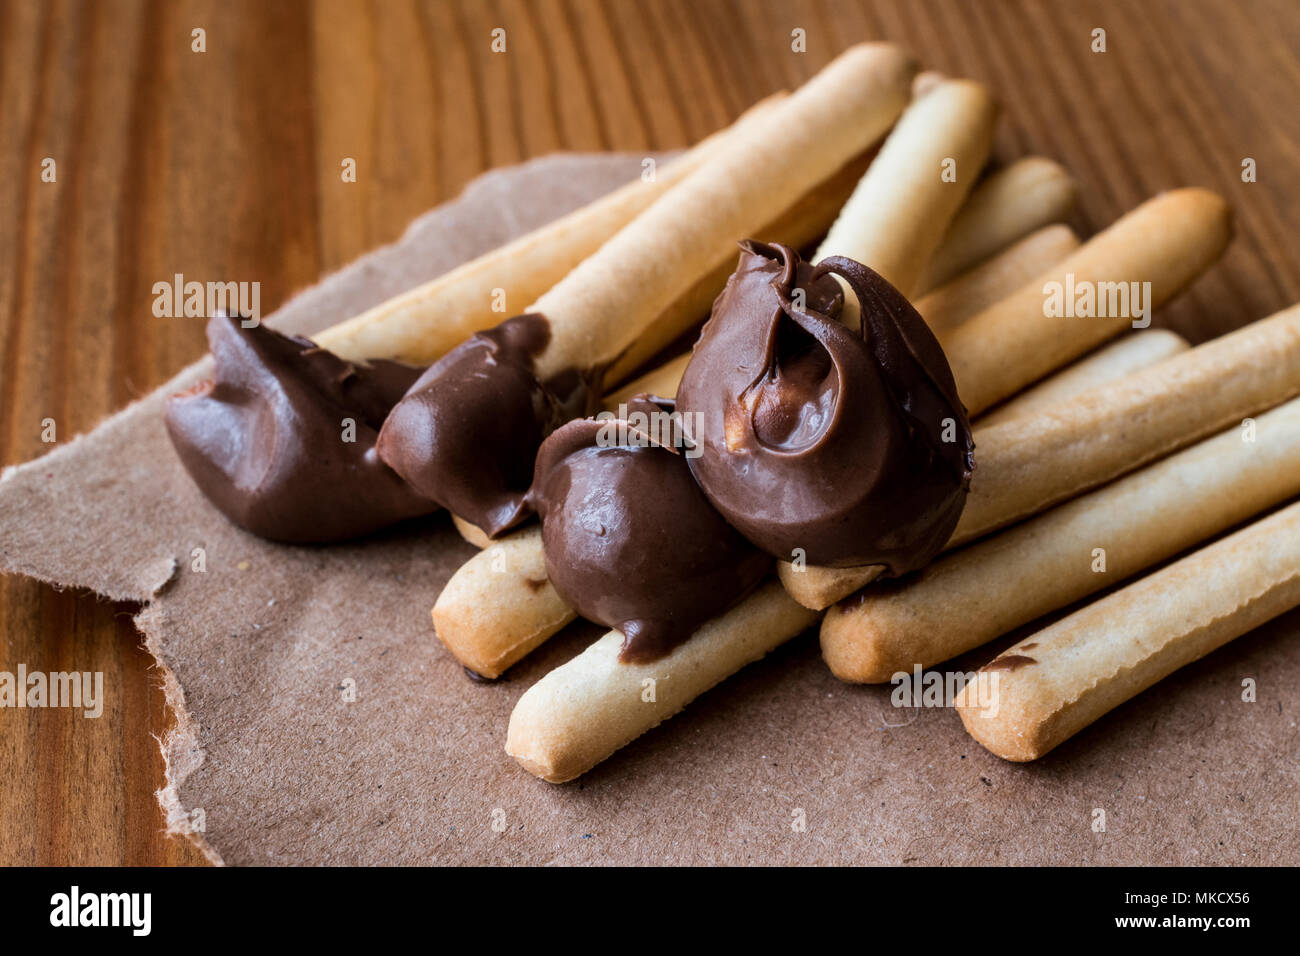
x=282 y=439
x=973 y=595
x=499 y=605
x=1167 y=241
x=819 y=438
x=468 y=431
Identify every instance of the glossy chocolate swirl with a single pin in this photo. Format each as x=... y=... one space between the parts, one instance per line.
x=270 y=444
x=630 y=540
x=851 y=448
x=467 y=432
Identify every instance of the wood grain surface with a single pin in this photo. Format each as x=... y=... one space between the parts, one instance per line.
x=226 y=164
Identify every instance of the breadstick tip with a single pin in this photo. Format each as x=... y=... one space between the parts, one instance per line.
x=529 y=739
x=1199 y=203
x=459 y=639
x=990 y=719
x=885 y=57
x=926 y=81
x=853 y=652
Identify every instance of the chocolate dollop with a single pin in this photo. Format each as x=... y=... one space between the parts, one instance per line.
x=630 y=540
x=282 y=439
x=467 y=432
x=851 y=446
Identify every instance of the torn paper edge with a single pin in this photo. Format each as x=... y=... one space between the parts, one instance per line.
x=181 y=752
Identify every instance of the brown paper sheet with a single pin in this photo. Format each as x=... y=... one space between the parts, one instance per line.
x=257 y=650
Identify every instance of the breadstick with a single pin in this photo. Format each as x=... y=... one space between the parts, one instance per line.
x=466 y=433
x=1012 y=202
x=1029 y=464
x=977 y=288
x=500 y=604
x=897 y=215
x=899 y=209
x=895 y=212
x=818 y=587
x=1051 y=685
x=973 y=595
x=474 y=634
x=661 y=381
x=572 y=711
x=598 y=310
x=944 y=308
x=503 y=590
x=1114 y=361
x=472 y=532
x=806 y=220
x=925 y=81
x=797 y=226
x=1167 y=241
x=420 y=325
x=585 y=710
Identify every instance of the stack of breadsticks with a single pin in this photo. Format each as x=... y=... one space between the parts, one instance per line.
x=1101 y=451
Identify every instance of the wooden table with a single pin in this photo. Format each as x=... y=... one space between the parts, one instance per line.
x=227 y=163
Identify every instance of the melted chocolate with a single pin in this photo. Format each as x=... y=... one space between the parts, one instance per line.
x=467 y=433
x=265 y=441
x=630 y=541
x=819 y=438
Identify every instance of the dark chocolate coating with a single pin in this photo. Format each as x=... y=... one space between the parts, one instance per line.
x=631 y=542
x=467 y=432
x=265 y=440
x=820 y=438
